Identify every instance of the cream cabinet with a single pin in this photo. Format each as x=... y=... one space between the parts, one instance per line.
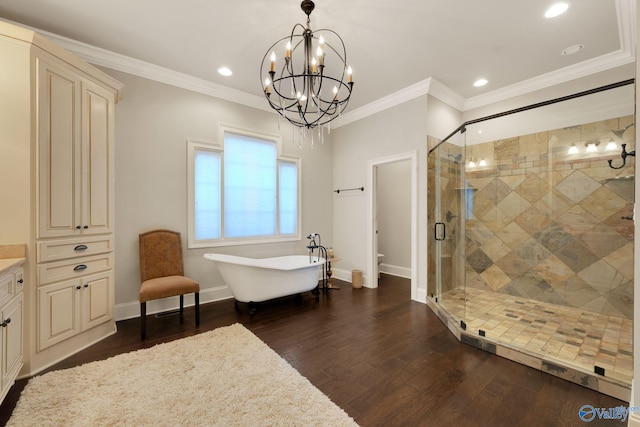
x=70 y=307
x=11 y=327
x=75 y=153
x=75 y=187
x=75 y=287
x=57 y=173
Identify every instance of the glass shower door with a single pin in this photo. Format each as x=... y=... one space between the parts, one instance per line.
x=446 y=198
x=434 y=191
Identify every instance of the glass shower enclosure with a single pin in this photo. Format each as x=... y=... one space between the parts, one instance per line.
x=530 y=216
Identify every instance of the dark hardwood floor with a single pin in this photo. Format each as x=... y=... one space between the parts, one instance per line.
x=386 y=360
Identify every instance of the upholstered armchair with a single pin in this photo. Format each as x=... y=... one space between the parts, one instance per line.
x=162 y=273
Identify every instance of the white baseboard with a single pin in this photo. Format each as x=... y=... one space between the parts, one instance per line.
x=395 y=270
x=130 y=310
x=344 y=275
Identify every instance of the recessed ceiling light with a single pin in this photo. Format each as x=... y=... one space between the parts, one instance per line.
x=480 y=82
x=556 y=9
x=225 y=71
x=573 y=49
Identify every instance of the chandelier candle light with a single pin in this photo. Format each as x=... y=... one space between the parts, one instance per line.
x=313 y=84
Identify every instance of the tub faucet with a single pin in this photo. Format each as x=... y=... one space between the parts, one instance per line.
x=313 y=245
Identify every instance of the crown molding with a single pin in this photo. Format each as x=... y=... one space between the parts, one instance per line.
x=429 y=86
x=446 y=95
x=625 y=9
x=384 y=103
x=136 y=67
x=563 y=75
x=115 y=61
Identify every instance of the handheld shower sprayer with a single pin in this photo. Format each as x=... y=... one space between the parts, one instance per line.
x=313 y=245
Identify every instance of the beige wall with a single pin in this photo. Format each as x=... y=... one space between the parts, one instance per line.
x=392 y=132
x=153 y=123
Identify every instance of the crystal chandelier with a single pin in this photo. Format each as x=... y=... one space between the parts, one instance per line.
x=313 y=84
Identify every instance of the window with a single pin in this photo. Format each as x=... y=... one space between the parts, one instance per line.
x=242 y=192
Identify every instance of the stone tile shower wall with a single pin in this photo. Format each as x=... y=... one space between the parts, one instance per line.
x=547 y=225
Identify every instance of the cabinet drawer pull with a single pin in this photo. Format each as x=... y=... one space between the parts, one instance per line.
x=5 y=323
x=80 y=267
x=20 y=281
x=78 y=227
x=81 y=248
x=78 y=287
x=86 y=285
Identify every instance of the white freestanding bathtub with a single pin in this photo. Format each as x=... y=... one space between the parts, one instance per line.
x=255 y=280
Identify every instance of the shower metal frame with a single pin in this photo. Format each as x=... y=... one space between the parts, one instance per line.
x=463 y=127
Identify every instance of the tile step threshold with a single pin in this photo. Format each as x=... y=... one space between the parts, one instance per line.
x=606 y=385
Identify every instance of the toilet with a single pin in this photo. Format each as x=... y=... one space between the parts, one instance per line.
x=380 y=256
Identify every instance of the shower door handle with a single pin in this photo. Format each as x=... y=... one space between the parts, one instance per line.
x=443 y=228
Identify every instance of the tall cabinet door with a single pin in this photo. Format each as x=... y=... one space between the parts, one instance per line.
x=98 y=168
x=59 y=151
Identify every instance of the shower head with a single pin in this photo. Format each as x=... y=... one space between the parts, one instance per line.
x=621 y=132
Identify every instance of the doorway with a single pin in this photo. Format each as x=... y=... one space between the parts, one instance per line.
x=381 y=208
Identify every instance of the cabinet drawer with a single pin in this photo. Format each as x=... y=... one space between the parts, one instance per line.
x=69 y=269
x=6 y=287
x=56 y=250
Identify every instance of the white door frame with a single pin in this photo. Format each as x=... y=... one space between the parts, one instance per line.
x=372 y=251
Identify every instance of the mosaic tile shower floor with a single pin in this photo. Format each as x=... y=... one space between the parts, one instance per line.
x=578 y=338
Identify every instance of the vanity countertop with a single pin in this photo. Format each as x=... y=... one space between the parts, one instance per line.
x=8 y=263
x=12 y=256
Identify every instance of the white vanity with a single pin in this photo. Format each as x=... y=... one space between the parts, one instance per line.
x=12 y=260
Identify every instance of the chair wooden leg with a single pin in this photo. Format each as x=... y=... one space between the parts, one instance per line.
x=181 y=308
x=143 y=320
x=197 y=298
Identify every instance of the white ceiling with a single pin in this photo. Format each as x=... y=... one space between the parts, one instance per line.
x=391 y=44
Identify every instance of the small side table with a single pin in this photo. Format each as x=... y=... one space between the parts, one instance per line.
x=330 y=273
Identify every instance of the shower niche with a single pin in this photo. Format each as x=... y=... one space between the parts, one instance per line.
x=530 y=251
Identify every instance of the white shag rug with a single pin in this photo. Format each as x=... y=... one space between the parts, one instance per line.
x=224 y=377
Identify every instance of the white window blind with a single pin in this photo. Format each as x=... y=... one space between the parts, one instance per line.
x=208 y=188
x=249 y=186
x=242 y=192
x=288 y=197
